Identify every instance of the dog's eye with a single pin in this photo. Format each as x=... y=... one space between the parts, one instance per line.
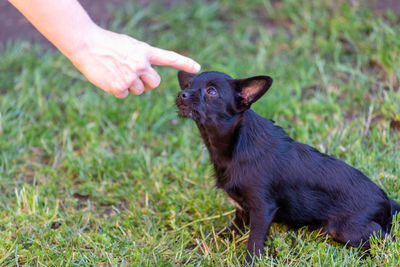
x=211 y=91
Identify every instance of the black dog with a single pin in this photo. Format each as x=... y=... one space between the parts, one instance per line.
x=273 y=178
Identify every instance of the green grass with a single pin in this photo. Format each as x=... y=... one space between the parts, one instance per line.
x=88 y=179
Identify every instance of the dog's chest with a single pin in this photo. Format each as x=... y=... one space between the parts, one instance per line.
x=225 y=181
x=222 y=176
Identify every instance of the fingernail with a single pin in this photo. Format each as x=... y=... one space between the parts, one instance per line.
x=197 y=67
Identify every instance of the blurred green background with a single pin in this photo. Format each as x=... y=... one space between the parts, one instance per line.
x=88 y=179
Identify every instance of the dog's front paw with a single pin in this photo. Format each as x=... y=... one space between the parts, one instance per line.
x=250 y=260
x=230 y=232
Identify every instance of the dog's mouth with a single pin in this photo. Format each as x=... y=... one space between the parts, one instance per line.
x=184 y=110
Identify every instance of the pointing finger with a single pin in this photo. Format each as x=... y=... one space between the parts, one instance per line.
x=169 y=58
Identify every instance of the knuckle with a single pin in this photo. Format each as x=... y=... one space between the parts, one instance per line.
x=141 y=65
x=118 y=87
x=146 y=46
x=133 y=79
x=120 y=91
x=136 y=90
x=135 y=76
x=123 y=95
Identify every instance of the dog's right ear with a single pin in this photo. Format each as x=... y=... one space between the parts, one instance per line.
x=250 y=90
x=184 y=78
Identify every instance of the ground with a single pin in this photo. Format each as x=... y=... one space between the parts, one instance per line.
x=89 y=180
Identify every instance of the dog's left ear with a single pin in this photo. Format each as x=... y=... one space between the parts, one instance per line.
x=184 y=78
x=251 y=89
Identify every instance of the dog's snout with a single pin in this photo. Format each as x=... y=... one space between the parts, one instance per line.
x=183 y=95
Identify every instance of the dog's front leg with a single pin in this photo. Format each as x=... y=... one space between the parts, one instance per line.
x=261 y=218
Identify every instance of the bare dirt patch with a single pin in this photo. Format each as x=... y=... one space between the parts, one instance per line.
x=14 y=26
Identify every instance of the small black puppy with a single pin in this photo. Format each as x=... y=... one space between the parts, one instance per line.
x=273 y=178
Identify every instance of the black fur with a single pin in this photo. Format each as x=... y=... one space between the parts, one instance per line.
x=272 y=177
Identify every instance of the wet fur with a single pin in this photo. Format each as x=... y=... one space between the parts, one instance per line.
x=274 y=178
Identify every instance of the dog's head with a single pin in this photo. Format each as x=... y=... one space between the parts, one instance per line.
x=214 y=97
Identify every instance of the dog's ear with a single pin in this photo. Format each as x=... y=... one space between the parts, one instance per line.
x=184 y=78
x=250 y=90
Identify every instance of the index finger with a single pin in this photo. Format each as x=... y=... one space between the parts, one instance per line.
x=163 y=57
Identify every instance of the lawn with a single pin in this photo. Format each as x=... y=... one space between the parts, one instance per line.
x=89 y=180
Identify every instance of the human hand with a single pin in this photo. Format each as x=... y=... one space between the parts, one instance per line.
x=119 y=64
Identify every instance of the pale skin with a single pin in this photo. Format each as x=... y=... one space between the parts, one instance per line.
x=116 y=63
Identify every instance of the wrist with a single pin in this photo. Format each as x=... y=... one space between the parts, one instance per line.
x=81 y=41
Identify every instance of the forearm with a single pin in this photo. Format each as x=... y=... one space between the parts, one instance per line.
x=63 y=22
x=114 y=62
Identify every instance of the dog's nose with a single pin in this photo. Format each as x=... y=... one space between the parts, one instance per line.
x=183 y=95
